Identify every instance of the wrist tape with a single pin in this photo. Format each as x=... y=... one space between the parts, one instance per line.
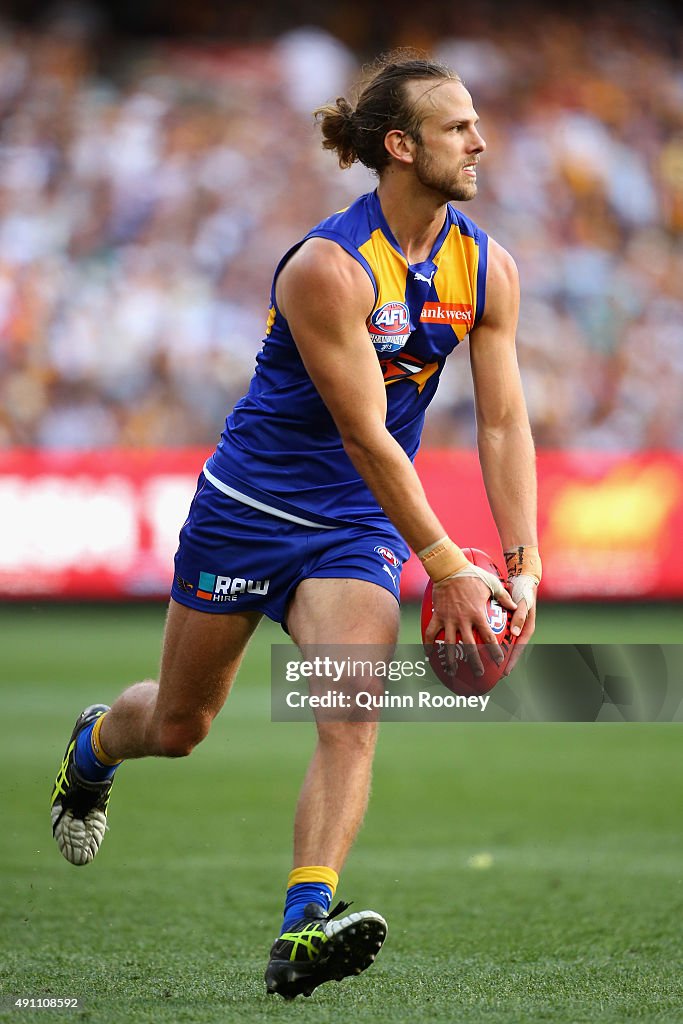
x=442 y=559
x=524 y=560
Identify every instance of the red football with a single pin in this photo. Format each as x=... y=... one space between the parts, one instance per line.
x=463 y=681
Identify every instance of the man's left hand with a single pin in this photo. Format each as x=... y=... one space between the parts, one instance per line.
x=523 y=590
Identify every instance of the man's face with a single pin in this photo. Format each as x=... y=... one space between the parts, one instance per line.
x=446 y=157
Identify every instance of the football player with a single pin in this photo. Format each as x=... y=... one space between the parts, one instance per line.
x=309 y=506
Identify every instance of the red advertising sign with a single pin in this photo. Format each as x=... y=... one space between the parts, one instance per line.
x=105 y=525
x=609 y=525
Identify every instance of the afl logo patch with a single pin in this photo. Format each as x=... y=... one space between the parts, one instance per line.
x=389 y=326
x=496 y=615
x=388 y=555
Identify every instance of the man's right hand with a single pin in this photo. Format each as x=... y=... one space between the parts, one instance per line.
x=459 y=604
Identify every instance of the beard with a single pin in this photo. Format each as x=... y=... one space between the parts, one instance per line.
x=449 y=185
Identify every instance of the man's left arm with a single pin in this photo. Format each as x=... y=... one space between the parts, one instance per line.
x=506 y=447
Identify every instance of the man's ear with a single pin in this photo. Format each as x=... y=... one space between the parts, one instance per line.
x=400 y=145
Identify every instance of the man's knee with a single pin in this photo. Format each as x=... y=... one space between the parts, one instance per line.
x=177 y=737
x=359 y=737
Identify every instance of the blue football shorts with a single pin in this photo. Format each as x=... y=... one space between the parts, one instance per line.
x=236 y=558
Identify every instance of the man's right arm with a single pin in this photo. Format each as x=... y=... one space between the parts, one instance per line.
x=326 y=297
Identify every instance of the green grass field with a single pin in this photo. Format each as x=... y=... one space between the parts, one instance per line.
x=577 y=916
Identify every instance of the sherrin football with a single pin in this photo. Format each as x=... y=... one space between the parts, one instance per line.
x=463 y=680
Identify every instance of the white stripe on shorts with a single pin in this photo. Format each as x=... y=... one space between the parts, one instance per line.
x=269 y=509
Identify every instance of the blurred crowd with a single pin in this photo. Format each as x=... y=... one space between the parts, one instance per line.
x=147 y=194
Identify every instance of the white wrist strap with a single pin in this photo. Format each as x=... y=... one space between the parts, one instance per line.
x=524 y=589
x=492 y=582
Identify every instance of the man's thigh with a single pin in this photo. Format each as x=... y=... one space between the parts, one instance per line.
x=343 y=611
x=355 y=623
x=200 y=658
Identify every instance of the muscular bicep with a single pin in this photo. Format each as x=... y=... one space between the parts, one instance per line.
x=495 y=372
x=326 y=297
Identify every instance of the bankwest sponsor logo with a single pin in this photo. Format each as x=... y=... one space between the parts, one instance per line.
x=447 y=313
x=228 y=588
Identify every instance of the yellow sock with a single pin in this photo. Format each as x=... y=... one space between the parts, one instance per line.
x=315 y=873
x=97 y=750
x=313 y=884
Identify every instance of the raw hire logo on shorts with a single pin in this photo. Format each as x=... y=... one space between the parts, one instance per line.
x=228 y=588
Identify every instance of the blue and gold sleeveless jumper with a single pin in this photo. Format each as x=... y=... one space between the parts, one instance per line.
x=280 y=448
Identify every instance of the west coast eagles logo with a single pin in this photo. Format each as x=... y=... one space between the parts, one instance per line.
x=407 y=367
x=389 y=327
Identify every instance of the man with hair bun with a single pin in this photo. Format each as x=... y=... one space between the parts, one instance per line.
x=308 y=507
